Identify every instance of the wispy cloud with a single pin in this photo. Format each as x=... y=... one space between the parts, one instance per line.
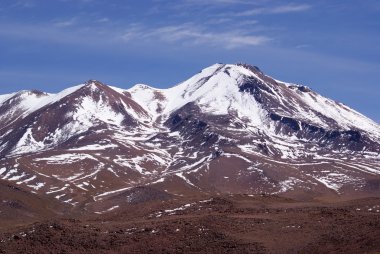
x=190 y=34
x=290 y=8
x=66 y=23
x=24 y=4
x=274 y=10
x=219 y=21
x=208 y=27
x=184 y=7
x=103 y=20
x=187 y=34
x=213 y=2
x=81 y=1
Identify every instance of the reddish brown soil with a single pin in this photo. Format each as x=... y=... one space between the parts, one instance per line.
x=228 y=224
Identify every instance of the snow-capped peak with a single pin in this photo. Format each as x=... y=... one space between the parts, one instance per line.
x=224 y=88
x=238 y=91
x=142 y=87
x=215 y=90
x=52 y=98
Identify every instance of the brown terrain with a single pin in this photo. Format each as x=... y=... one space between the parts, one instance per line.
x=157 y=223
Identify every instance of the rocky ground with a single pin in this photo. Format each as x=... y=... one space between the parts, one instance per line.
x=206 y=224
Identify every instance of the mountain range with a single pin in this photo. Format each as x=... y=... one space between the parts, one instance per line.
x=230 y=129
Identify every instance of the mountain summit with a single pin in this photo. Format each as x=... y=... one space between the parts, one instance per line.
x=228 y=129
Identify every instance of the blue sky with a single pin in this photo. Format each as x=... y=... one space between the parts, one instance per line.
x=330 y=45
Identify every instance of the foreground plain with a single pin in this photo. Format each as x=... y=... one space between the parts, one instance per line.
x=206 y=224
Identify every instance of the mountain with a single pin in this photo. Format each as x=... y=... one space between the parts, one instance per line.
x=228 y=129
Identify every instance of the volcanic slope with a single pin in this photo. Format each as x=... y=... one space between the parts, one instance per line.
x=228 y=129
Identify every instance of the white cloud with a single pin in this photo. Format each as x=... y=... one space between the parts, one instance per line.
x=66 y=23
x=211 y=2
x=81 y=1
x=282 y=9
x=219 y=21
x=23 y=4
x=290 y=8
x=103 y=20
x=248 y=22
x=189 y=34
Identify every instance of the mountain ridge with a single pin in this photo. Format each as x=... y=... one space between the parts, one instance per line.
x=228 y=129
